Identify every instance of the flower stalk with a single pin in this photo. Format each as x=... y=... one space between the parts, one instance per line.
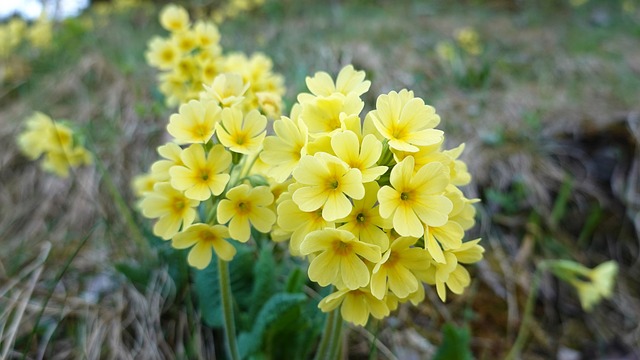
x=227 y=309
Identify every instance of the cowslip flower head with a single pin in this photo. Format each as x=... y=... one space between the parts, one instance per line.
x=405 y=121
x=207 y=34
x=365 y=221
x=201 y=175
x=328 y=115
x=242 y=133
x=203 y=239
x=340 y=258
x=283 y=151
x=592 y=285
x=348 y=148
x=172 y=208
x=195 y=122
x=162 y=53
x=395 y=271
x=227 y=89
x=244 y=207
x=328 y=183
x=174 y=18
x=357 y=305
x=415 y=200
x=348 y=81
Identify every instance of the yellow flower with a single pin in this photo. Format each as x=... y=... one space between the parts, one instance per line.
x=205 y=238
x=201 y=175
x=447 y=274
x=185 y=41
x=458 y=169
x=300 y=223
x=171 y=207
x=327 y=181
x=365 y=221
x=41 y=32
x=346 y=146
x=406 y=121
x=59 y=161
x=417 y=199
x=327 y=115
x=469 y=41
x=170 y=152
x=395 y=271
x=349 y=81
x=592 y=285
x=174 y=18
x=195 y=122
x=445 y=50
x=245 y=207
x=339 y=261
x=283 y=151
x=40 y=135
x=357 y=305
x=207 y=34
x=143 y=184
x=162 y=53
x=242 y=134
x=228 y=90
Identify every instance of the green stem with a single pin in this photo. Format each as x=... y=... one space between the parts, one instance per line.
x=323 y=348
x=336 y=337
x=227 y=309
x=523 y=331
x=331 y=337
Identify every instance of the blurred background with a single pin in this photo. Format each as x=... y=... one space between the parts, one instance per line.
x=545 y=95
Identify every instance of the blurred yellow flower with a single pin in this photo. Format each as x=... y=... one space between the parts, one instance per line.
x=228 y=89
x=469 y=41
x=162 y=53
x=204 y=238
x=174 y=18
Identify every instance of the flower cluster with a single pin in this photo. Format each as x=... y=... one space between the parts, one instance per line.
x=373 y=204
x=15 y=34
x=61 y=147
x=191 y=57
x=211 y=173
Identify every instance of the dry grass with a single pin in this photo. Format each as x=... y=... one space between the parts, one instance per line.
x=581 y=126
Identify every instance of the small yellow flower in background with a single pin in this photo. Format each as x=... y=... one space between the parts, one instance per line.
x=204 y=238
x=207 y=34
x=283 y=151
x=143 y=184
x=365 y=221
x=395 y=271
x=629 y=6
x=174 y=18
x=577 y=3
x=56 y=141
x=244 y=207
x=357 y=305
x=195 y=122
x=201 y=175
x=171 y=207
x=339 y=260
x=415 y=200
x=469 y=41
x=593 y=285
x=347 y=148
x=242 y=134
x=40 y=33
x=228 y=90
x=328 y=183
x=162 y=53
x=406 y=121
x=445 y=51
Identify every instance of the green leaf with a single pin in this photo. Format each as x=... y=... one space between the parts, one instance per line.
x=455 y=344
x=264 y=286
x=208 y=286
x=274 y=315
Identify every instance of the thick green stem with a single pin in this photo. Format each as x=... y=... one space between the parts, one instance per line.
x=331 y=336
x=227 y=309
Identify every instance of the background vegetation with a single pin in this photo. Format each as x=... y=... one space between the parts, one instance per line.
x=551 y=131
